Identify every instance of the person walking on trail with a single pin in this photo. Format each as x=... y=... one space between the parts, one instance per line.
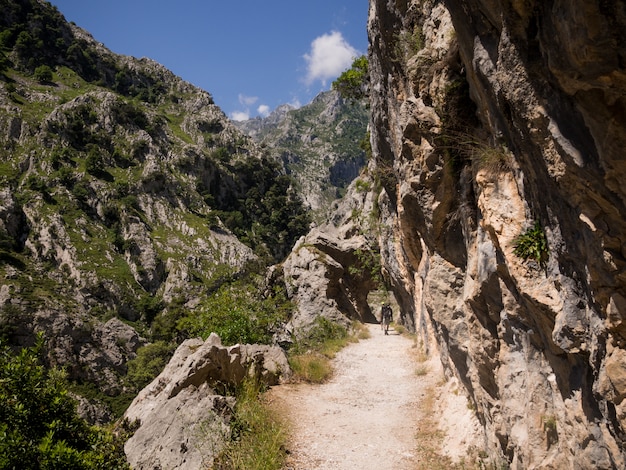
x=385 y=314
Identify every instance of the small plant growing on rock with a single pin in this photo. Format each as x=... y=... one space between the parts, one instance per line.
x=549 y=423
x=550 y=428
x=532 y=244
x=491 y=159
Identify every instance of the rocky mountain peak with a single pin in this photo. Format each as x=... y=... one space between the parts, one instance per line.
x=318 y=144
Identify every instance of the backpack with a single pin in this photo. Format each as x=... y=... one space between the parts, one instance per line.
x=387 y=312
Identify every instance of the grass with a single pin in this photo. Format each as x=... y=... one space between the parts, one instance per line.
x=258 y=439
x=311 y=367
x=310 y=358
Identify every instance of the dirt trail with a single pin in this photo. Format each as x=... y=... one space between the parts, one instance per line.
x=367 y=416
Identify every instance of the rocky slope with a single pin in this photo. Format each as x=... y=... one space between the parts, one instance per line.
x=318 y=145
x=490 y=119
x=125 y=196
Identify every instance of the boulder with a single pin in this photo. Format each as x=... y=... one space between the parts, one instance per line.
x=184 y=414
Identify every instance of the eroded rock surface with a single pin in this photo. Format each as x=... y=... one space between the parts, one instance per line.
x=329 y=271
x=183 y=414
x=491 y=117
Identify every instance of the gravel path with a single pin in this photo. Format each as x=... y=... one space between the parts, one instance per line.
x=366 y=416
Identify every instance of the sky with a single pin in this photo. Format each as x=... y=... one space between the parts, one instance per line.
x=251 y=55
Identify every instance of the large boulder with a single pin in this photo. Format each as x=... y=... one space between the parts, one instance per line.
x=184 y=414
x=330 y=271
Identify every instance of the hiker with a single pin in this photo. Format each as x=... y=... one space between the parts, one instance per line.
x=385 y=317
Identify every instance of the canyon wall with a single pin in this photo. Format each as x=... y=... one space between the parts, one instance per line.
x=497 y=131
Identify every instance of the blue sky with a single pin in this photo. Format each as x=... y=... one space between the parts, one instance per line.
x=251 y=55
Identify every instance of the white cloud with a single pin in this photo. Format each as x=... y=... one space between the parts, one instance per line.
x=330 y=55
x=240 y=115
x=263 y=110
x=295 y=102
x=247 y=100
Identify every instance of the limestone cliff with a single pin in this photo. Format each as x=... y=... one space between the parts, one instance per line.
x=498 y=130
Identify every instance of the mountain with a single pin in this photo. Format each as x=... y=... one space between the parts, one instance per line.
x=126 y=196
x=322 y=145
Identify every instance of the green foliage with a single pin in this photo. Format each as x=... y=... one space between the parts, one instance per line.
x=94 y=163
x=128 y=114
x=43 y=74
x=353 y=84
x=367 y=266
x=150 y=361
x=39 y=425
x=258 y=438
x=310 y=354
x=365 y=144
x=269 y=214
x=239 y=313
x=532 y=244
x=317 y=337
x=362 y=186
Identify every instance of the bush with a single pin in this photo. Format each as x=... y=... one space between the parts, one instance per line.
x=238 y=313
x=150 y=361
x=353 y=84
x=532 y=244
x=43 y=74
x=39 y=425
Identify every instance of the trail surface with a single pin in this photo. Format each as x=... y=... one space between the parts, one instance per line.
x=367 y=416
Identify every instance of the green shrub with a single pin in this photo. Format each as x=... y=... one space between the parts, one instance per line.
x=532 y=244
x=362 y=186
x=367 y=266
x=316 y=338
x=239 y=313
x=150 y=361
x=43 y=74
x=39 y=425
x=353 y=84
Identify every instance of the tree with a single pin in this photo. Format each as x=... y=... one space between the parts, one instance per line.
x=43 y=74
x=353 y=84
x=39 y=425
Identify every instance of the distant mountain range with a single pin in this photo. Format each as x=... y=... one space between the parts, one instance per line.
x=318 y=144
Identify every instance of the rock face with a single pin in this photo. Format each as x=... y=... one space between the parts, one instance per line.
x=490 y=118
x=121 y=188
x=183 y=419
x=318 y=144
x=329 y=271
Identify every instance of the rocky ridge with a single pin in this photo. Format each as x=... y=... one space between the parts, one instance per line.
x=318 y=145
x=124 y=198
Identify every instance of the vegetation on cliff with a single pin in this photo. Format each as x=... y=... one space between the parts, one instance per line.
x=125 y=193
x=39 y=424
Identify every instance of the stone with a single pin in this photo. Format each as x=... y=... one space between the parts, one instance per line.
x=510 y=113
x=184 y=414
